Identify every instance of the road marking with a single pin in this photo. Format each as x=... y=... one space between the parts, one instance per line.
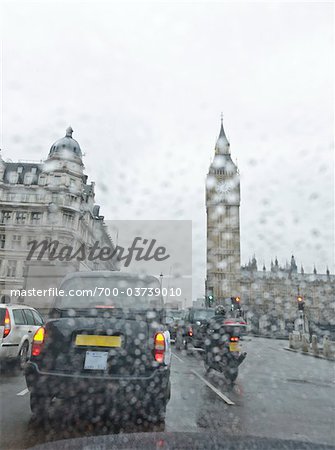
x=197 y=349
x=179 y=359
x=214 y=389
x=24 y=392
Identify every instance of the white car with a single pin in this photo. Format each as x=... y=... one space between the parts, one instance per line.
x=18 y=324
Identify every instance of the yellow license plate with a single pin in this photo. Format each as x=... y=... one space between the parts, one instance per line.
x=89 y=340
x=233 y=347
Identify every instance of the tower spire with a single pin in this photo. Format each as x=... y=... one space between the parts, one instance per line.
x=222 y=144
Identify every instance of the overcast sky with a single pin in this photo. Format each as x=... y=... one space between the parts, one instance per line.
x=143 y=85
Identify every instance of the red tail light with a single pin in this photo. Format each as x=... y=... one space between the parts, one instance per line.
x=159 y=347
x=38 y=341
x=234 y=339
x=7 y=324
x=190 y=332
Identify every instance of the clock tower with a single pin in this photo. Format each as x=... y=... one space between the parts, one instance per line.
x=223 y=223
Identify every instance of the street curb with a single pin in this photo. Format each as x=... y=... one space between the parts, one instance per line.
x=267 y=336
x=308 y=354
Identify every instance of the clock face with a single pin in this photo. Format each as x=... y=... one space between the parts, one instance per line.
x=223 y=187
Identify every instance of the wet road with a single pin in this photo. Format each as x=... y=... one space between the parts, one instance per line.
x=278 y=394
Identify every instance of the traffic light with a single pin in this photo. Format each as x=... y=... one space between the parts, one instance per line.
x=209 y=297
x=301 y=303
x=235 y=303
x=210 y=300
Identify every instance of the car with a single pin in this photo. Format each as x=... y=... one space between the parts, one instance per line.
x=18 y=324
x=191 y=330
x=107 y=349
x=175 y=315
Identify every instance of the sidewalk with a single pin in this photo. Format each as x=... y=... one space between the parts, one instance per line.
x=308 y=354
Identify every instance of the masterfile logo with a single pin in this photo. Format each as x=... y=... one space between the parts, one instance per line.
x=160 y=248
x=140 y=250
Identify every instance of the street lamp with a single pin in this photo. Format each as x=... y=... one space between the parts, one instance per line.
x=161 y=281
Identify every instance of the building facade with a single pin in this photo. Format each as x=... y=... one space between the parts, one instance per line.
x=47 y=201
x=270 y=297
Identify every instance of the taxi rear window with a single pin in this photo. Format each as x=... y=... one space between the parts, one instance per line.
x=111 y=292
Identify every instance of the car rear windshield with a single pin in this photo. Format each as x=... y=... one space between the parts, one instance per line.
x=203 y=314
x=176 y=314
x=110 y=292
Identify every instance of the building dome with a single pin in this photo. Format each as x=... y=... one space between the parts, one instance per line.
x=66 y=146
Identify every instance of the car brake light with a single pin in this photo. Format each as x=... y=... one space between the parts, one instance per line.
x=7 y=324
x=159 y=347
x=234 y=339
x=190 y=331
x=38 y=341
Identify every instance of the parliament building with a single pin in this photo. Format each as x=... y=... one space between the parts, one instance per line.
x=267 y=296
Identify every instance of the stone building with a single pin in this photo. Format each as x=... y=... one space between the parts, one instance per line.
x=268 y=297
x=52 y=201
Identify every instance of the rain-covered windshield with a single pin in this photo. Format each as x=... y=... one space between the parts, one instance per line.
x=167 y=208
